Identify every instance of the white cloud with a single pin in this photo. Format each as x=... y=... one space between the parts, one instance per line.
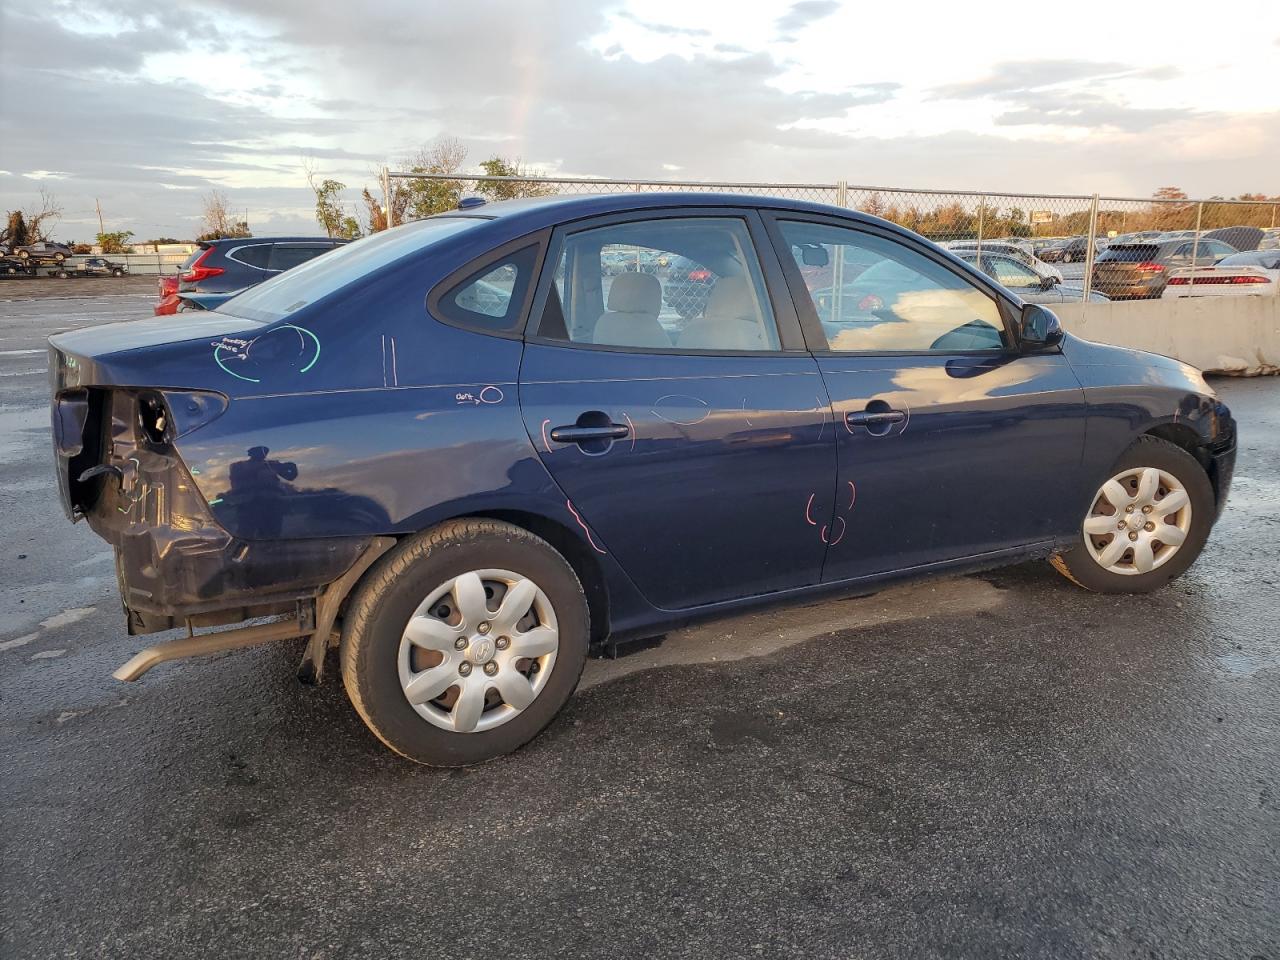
x=148 y=106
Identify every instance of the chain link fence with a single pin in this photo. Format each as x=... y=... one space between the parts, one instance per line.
x=1046 y=246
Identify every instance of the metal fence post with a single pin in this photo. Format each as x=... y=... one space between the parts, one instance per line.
x=386 y=196
x=982 y=214
x=1091 y=249
x=842 y=194
x=1195 y=243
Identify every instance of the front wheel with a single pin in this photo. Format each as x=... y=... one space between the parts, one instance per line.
x=464 y=642
x=1146 y=525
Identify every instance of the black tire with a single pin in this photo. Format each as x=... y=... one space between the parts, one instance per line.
x=1066 y=258
x=117 y=273
x=391 y=592
x=24 y=254
x=59 y=257
x=62 y=274
x=1078 y=564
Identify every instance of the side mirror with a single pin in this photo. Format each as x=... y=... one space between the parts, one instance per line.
x=1039 y=327
x=1048 y=282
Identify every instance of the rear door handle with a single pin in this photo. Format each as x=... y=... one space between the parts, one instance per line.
x=867 y=418
x=576 y=434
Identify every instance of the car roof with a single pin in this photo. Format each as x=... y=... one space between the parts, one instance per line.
x=534 y=212
x=224 y=241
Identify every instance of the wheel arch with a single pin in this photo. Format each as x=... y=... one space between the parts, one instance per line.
x=570 y=546
x=1185 y=438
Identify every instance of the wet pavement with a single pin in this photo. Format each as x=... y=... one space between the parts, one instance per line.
x=999 y=765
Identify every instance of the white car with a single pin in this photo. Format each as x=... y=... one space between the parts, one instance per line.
x=1018 y=251
x=1253 y=273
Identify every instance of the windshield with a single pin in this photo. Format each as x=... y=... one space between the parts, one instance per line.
x=294 y=289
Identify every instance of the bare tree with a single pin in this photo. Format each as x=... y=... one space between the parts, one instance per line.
x=42 y=218
x=443 y=156
x=216 y=218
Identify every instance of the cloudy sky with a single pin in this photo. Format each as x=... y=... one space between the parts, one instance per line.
x=147 y=105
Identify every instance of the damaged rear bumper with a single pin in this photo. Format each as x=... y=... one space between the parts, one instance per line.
x=175 y=564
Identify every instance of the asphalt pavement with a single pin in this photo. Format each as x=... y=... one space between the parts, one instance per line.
x=989 y=766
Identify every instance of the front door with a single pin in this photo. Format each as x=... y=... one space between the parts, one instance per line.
x=952 y=444
x=671 y=398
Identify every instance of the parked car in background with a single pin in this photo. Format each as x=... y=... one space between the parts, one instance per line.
x=1141 y=236
x=473 y=499
x=220 y=266
x=99 y=267
x=1029 y=285
x=1241 y=238
x=229 y=266
x=1132 y=271
x=1016 y=250
x=1254 y=273
x=688 y=286
x=1070 y=250
x=1270 y=239
x=196 y=302
x=167 y=288
x=44 y=251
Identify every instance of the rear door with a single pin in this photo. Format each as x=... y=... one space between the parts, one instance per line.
x=689 y=431
x=951 y=444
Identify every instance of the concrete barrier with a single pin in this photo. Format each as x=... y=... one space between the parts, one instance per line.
x=1236 y=335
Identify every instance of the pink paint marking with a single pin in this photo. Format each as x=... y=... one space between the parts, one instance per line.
x=808 y=507
x=633 y=429
x=545 y=442
x=587 y=530
x=395 y=376
x=853 y=495
x=839 y=536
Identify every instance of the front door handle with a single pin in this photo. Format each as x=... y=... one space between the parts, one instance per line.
x=577 y=434
x=871 y=418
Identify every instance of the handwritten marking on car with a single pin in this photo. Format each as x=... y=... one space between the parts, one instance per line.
x=807 y=514
x=677 y=401
x=632 y=428
x=545 y=442
x=585 y=529
x=484 y=396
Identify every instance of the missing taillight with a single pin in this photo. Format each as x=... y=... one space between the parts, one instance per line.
x=153 y=418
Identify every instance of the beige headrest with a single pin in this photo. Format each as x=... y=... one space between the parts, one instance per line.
x=635 y=293
x=731 y=297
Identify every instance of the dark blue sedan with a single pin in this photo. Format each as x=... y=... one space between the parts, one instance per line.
x=469 y=450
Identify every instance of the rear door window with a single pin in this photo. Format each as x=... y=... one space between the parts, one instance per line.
x=676 y=284
x=285 y=256
x=253 y=255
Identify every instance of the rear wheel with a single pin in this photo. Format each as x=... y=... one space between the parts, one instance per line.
x=465 y=642
x=1146 y=524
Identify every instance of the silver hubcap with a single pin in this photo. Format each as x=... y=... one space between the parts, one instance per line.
x=1139 y=520
x=478 y=650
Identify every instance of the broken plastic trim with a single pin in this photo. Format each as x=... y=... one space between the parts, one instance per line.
x=318 y=627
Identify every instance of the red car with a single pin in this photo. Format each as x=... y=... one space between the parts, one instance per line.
x=168 y=296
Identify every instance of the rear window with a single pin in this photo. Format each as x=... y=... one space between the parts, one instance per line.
x=287 y=292
x=193 y=257
x=1267 y=259
x=1130 y=252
